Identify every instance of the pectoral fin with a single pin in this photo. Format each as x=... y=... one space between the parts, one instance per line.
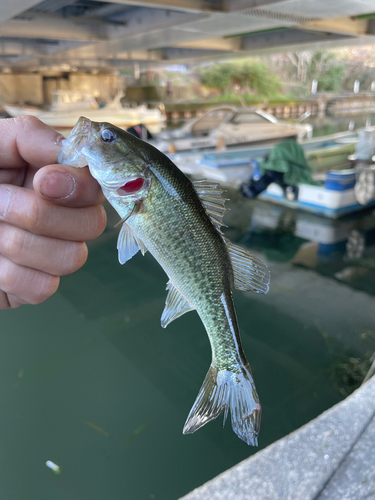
x=175 y=305
x=250 y=273
x=128 y=244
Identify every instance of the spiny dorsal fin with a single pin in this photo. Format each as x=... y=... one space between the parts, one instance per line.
x=128 y=244
x=212 y=201
x=175 y=305
x=250 y=272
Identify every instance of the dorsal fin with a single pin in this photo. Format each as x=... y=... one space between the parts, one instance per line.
x=250 y=272
x=212 y=201
x=128 y=244
x=175 y=305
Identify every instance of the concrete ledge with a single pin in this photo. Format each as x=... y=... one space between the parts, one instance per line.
x=330 y=457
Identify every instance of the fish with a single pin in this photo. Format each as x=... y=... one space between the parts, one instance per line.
x=179 y=222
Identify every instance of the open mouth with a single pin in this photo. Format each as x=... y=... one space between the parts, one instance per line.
x=72 y=147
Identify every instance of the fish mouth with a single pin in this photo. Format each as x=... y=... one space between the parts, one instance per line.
x=72 y=151
x=83 y=125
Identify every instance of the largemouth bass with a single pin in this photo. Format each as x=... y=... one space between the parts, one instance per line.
x=178 y=222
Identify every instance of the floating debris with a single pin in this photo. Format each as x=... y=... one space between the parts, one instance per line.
x=135 y=433
x=51 y=465
x=97 y=428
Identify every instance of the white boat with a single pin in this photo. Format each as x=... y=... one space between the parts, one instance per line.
x=227 y=126
x=68 y=105
x=15 y=110
x=234 y=166
x=337 y=195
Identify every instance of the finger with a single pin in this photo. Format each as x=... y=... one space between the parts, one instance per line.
x=27 y=140
x=4 y=301
x=8 y=301
x=29 y=285
x=14 y=176
x=23 y=208
x=49 y=255
x=69 y=186
x=14 y=301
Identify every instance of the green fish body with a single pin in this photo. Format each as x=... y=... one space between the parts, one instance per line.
x=178 y=222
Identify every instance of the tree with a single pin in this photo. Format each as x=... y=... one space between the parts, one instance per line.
x=321 y=65
x=328 y=70
x=301 y=60
x=249 y=76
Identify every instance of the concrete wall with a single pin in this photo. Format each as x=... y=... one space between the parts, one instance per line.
x=21 y=87
x=37 y=89
x=103 y=86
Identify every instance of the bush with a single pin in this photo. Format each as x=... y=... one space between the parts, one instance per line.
x=253 y=77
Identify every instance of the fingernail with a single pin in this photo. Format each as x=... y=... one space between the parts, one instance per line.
x=59 y=139
x=57 y=185
x=4 y=201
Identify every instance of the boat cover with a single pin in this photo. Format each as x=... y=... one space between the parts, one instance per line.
x=288 y=157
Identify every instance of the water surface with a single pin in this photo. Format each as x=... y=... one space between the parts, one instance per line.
x=90 y=380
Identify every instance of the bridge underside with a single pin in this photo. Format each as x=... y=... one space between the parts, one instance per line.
x=90 y=34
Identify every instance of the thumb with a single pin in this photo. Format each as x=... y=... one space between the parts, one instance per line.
x=69 y=186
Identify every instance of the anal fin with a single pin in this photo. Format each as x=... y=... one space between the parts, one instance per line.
x=175 y=305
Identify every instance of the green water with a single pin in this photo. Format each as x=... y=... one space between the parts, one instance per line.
x=328 y=124
x=90 y=380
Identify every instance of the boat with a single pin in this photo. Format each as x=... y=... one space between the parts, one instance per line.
x=338 y=192
x=228 y=126
x=68 y=105
x=236 y=165
x=63 y=101
x=334 y=196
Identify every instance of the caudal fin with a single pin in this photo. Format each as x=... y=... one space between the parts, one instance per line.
x=224 y=390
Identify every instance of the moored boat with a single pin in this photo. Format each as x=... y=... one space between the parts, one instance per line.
x=236 y=165
x=334 y=196
x=67 y=106
x=230 y=126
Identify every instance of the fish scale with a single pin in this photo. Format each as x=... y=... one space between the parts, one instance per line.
x=178 y=222
x=186 y=269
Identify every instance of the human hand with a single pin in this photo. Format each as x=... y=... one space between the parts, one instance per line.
x=46 y=212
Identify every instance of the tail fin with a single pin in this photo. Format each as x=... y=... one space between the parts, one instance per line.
x=223 y=390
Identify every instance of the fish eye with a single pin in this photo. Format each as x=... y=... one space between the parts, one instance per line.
x=107 y=135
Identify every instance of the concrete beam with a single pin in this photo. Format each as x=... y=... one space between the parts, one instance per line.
x=9 y=9
x=142 y=30
x=181 y=53
x=239 y=5
x=189 y=6
x=15 y=49
x=322 y=9
x=342 y=25
x=53 y=26
x=216 y=43
x=285 y=37
x=331 y=42
x=52 y=5
x=197 y=6
x=151 y=29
